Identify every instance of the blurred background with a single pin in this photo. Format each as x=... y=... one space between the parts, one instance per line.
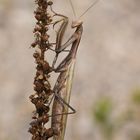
x=106 y=90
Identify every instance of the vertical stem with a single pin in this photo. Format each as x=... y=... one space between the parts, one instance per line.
x=42 y=87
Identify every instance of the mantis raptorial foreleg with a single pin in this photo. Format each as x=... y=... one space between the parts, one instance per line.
x=60 y=34
x=74 y=40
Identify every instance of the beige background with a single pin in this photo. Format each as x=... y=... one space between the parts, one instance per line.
x=107 y=63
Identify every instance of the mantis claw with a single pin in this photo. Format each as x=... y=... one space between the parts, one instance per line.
x=56 y=22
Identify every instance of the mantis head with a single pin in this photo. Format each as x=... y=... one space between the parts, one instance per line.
x=76 y=23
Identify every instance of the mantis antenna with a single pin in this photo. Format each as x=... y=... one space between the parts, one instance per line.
x=89 y=8
x=72 y=8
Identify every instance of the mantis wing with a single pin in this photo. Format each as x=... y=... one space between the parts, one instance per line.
x=69 y=81
x=59 y=122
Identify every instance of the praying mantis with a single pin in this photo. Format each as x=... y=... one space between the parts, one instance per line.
x=63 y=84
x=60 y=88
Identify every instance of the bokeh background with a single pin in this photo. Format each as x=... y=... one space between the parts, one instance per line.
x=106 y=91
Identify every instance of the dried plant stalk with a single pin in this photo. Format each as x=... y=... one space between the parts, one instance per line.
x=42 y=86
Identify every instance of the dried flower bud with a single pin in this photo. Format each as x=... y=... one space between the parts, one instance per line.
x=40 y=77
x=45 y=38
x=38 y=73
x=46 y=83
x=50 y=2
x=36 y=55
x=38 y=84
x=41 y=108
x=34 y=123
x=34 y=100
x=39 y=105
x=34 y=117
x=32 y=96
x=38 y=89
x=32 y=130
x=38 y=16
x=49 y=133
x=34 y=44
x=37 y=28
x=49 y=92
x=43 y=119
x=36 y=137
x=46 y=66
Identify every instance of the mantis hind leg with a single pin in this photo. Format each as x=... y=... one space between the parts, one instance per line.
x=55 y=59
x=63 y=102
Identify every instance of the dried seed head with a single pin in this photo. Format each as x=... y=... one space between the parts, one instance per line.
x=38 y=73
x=36 y=55
x=39 y=67
x=38 y=86
x=49 y=133
x=39 y=105
x=46 y=66
x=49 y=92
x=38 y=89
x=34 y=100
x=32 y=96
x=34 y=117
x=40 y=77
x=37 y=137
x=38 y=17
x=43 y=119
x=37 y=28
x=50 y=3
x=45 y=37
x=34 y=44
x=32 y=130
x=34 y=123
x=47 y=84
x=39 y=10
x=37 y=35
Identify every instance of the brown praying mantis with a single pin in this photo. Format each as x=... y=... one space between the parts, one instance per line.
x=63 y=84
